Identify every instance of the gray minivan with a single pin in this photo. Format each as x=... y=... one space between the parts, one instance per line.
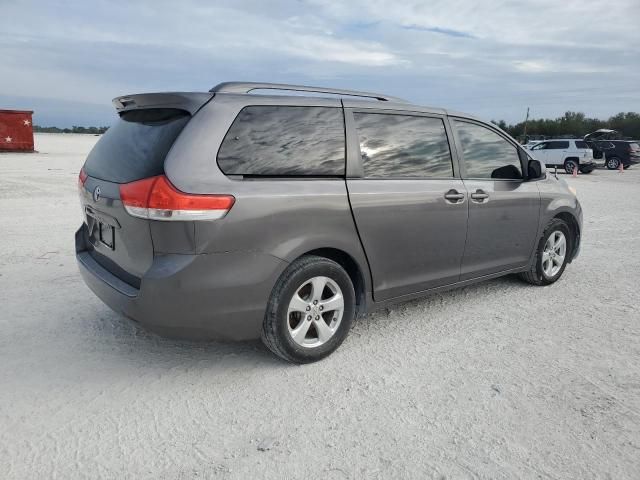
x=236 y=215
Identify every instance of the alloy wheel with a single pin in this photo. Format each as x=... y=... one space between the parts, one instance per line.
x=554 y=253
x=315 y=312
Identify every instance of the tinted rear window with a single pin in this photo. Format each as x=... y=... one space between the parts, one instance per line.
x=284 y=141
x=403 y=146
x=581 y=144
x=136 y=146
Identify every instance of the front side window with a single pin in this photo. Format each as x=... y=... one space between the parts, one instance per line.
x=403 y=146
x=486 y=154
x=285 y=141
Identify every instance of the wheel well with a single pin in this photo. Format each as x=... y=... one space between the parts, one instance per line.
x=352 y=268
x=577 y=160
x=575 y=230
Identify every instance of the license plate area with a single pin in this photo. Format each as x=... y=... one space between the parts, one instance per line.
x=102 y=228
x=106 y=234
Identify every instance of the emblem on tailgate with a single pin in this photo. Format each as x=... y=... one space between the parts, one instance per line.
x=96 y=194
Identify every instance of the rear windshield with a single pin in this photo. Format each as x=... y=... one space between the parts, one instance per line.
x=136 y=146
x=581 y=144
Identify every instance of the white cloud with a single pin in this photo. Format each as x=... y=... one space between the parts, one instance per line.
x=325 y=49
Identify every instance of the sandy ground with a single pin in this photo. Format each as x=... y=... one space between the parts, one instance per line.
x=498 y=380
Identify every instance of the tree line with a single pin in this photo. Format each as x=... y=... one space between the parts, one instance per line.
x=575 y=125
x=74 y=129
x=570 y=125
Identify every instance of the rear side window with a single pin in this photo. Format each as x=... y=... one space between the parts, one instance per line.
x=285 y=141
x=136 y=146
x=486 y=154
x=403 y=146
x=581 y=144
x=557 y=145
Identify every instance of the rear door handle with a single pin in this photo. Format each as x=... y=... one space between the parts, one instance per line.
x=479 y=196
x=454 y=196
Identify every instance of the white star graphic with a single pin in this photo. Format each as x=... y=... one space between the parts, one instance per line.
x=8 y=139
x=26 y=123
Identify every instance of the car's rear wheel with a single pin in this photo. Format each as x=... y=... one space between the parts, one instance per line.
x=552 y=254
x=613 y=163
x=310 y=311
x=570 y=166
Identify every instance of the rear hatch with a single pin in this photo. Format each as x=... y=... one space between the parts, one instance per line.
x=134 y=148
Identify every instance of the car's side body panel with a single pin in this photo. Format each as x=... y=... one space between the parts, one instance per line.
x=502 y=228
x=413 y=237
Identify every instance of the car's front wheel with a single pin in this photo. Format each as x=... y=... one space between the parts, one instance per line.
x=552 y=254
x=310 y=311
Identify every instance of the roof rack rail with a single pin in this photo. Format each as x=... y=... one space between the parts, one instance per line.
x=246 y=87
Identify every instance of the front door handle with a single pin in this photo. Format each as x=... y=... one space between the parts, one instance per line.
x=479 y=196
x=454 y=196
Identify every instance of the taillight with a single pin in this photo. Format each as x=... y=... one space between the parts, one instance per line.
x=82 y=177
x=156 y=198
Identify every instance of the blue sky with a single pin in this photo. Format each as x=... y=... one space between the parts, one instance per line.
x=67 y=60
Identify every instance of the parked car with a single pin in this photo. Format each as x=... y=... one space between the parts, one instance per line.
x=566 y=153
x=237 y=216
x=609 y=147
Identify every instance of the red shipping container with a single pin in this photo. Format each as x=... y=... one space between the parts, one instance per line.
x=16 y=131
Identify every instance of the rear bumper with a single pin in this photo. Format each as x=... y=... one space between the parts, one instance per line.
x=222 y=296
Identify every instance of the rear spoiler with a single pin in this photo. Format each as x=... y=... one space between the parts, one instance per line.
x=189 y=101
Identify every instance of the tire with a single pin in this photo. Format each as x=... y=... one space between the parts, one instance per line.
x=540 y=274
x=586 y=170
x=287 y=330
x=613 y=163
x=570 y=165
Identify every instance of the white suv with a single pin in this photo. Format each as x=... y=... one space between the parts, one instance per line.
x=569 y=154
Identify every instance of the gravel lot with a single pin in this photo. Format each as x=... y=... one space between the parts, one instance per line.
x=498 y=380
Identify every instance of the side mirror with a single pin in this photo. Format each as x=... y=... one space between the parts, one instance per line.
x=536 y=170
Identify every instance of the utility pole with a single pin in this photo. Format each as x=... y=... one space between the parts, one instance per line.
x=525 y=126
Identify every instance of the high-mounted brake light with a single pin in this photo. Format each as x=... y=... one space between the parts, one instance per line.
x=156 y=198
